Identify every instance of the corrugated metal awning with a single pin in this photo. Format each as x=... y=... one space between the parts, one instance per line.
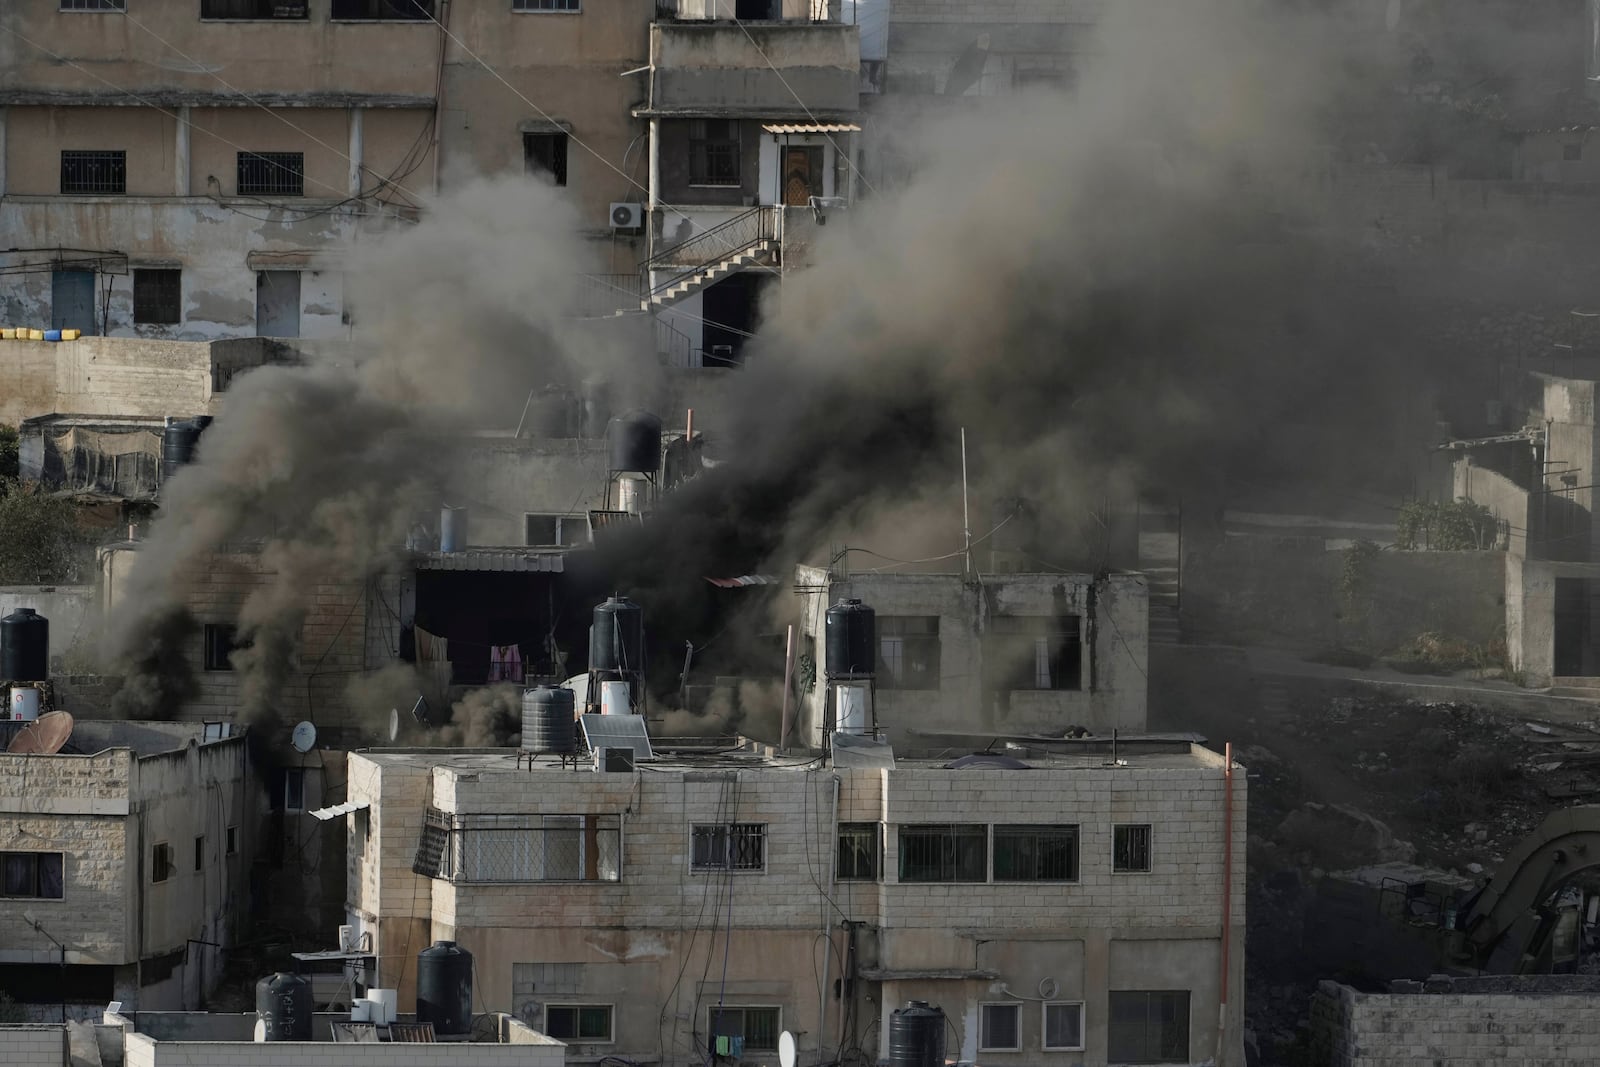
x=812 y=127
x=743 y=580
x=339 y=810
x=481 y=559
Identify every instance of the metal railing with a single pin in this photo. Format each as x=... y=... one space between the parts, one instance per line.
x=605 y=294
x=716 y=245
x=675 y=347
x=520 y=848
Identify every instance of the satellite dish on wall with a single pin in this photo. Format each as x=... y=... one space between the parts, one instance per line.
x=786 y=1049
x=394 y=723
x=304 y=736
x=44 y=736
x=261 y=1030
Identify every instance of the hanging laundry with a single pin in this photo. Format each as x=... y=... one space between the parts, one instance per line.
x=431 y=648
x=738 y=1045
x=724 y=1045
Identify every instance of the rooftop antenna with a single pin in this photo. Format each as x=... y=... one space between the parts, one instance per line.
x=966 y=522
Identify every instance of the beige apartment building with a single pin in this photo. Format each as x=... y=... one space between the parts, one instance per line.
x=195 y=168
x=1061 y=899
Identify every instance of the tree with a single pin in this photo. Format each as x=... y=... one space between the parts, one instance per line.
x=8 y=452
x=40 y=538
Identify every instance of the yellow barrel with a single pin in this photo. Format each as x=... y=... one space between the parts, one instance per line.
x=36 y=335
x=71 y=335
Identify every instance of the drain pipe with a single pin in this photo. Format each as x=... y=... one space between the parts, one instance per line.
x=1227 y=894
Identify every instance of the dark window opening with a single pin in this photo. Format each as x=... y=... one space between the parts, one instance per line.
x=1131 y=848
x=944 y=853
x=94 y=172
x=554 y=531
x=92 y=5
x=734 y=847
x=759 y=1027
x=1035 y=853
x=160 y=862
x=272 y=174
x=379 y=10
x=221 y=641
x=1572 y=152
x=545 y=153
x=200 y=853
x=757 y=10
x=253 y=9
x=1000 y=1027
x=1149 y=1027
x=578 y=1022
x=547 y=5
x=1034 y=652
x=157 y=296
x=860 y=852
x=51 y=983
x=714 y=152
x=1063 y=1026
x=233 y=841
x=32 y=874
x=294 y=789
x=908 y=652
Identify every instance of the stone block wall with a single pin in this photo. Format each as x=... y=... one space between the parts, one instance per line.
x=33 y=1046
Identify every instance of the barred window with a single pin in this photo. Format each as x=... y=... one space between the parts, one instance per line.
x=1036 y=853
x=860 y=846
x=944 y=853
x=157 y=296
x=714 y=152
x=383 y=10
x=585 y=1023
x=732 y=847
x=757 y=1028
x=94 y=172
x=533 y=848
x=429 y=861
x=546 y=5
x=1131 y=848
x=92 y=5
x=253 y=9
x=272 y=174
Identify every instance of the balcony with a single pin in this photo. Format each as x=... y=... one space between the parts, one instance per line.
x=740 y=68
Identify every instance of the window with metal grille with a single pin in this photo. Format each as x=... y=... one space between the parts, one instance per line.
x=860 y=849
x=92 y=5
x=1036 y=853
x=740 y=846
x=157 y=296
x=1063 y=1026
x=1130 y=848
x=254 y=9
x=1034 y=652
x=384 y=10
x=1149 y=1026
x=545 y=154
x=429 y=860
x=999 y=1027
x=221 y=641
x=757 y=1028
x=32 y=874
x=272 y=174
x=944 y=852
x=714 y=152
x=94 y=172
x=588 y=1023
x=160 y=862
x=533 y=848
x=546 y=5
x=908 y=652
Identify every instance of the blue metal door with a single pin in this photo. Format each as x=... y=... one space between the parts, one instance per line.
x=72 y=301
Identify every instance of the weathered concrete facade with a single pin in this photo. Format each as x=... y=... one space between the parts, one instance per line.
x=155 y=833
x=382 y=113
x=620 y=937
x=968 y=663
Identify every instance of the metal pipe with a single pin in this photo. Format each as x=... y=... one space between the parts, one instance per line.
x=788 y=681
x=966 y=522
x=1227 y=893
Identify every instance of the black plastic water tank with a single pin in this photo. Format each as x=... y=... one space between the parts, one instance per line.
x=616 y=641
x=178 y=443
x=444 y=988
x=24 y=647
x=635 y=442
x=851 y=640
x=547 y=720
x=283 y=1001
x=916 y=1036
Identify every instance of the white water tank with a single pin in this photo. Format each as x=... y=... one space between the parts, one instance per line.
x=850 y=704
x=25 y=701
x=385 y=1005
x=630 y=493
x=614 y=699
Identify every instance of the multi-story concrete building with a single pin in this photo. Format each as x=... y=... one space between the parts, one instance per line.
x=126 y=860
x=1032 y=653
x=196 y=170
x=1062 y=898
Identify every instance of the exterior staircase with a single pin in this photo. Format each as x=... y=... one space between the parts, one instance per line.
x=747 y=241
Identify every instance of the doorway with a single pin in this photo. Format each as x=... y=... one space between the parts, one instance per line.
x=802 y=174
x=1577 y=601
x=72 y=301
x=278 y=303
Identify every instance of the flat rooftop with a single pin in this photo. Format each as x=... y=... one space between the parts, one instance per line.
x=91 y=736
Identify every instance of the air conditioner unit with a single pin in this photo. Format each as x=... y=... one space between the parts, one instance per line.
x=627 y=216
x=615 y=760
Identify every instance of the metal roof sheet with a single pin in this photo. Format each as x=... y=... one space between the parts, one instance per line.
x=488 y=559
x=812 y=127
x=339 y=810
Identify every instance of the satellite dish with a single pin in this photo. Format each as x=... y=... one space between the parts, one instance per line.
x=304 y=736
x=786 y=1049
x=44 y=736
x=394 y=723
x=261 y=1030
x=419 y=710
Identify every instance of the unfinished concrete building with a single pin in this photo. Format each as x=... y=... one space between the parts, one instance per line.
x=1050 y=901
x=127 y=859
